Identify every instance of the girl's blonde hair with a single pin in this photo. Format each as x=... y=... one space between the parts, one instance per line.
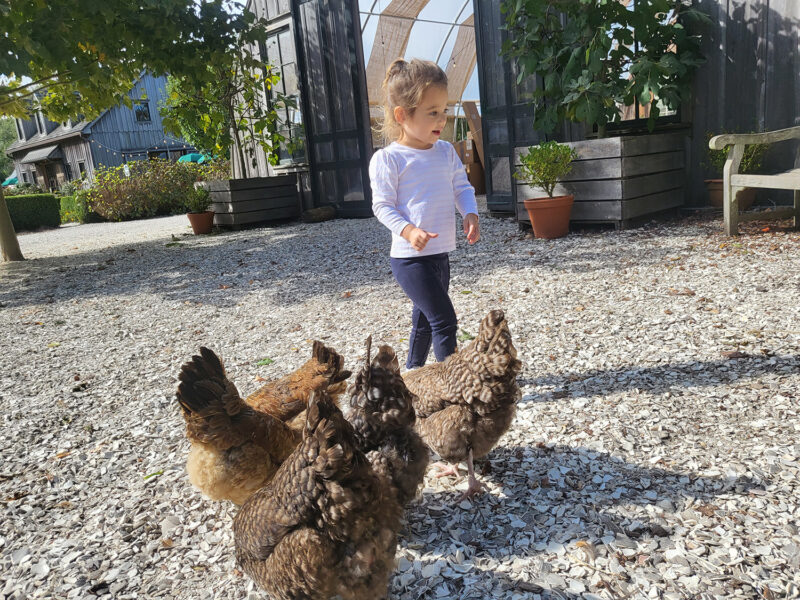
x=403 y=86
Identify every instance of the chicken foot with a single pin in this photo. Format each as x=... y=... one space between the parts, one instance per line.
x=474 y=486
x=445 y=469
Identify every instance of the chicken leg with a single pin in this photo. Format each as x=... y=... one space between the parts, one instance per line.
x=474 y=486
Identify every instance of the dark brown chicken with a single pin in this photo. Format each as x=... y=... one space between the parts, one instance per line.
x=237 y=445
x=465 y=403
x=326 y=524
x=382 y=413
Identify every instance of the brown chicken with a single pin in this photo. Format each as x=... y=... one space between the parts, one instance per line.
x=326 y=524
x=466 y=402
x=288 y=396
x=237 y=445
x=382 y=413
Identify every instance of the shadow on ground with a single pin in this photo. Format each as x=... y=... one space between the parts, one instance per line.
x=552 y=498
x=658 y=379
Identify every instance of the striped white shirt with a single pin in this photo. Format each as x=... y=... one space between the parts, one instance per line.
x=422 y=188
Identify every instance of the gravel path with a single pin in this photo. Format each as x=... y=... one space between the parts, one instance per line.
x=656 y=451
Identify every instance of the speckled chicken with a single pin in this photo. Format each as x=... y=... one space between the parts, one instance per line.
x=382 y=413
x=465 y=403
x=237 y=445
x=326 y=524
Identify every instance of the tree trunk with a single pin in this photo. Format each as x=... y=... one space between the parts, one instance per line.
x=238 y=146
x=8 y=237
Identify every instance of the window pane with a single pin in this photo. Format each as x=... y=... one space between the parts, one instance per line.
x=141 y=109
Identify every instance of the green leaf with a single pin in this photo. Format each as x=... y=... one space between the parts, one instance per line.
x=465 y=336
x=264 y=362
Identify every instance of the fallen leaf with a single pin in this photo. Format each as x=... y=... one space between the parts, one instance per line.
x=264 y=362
x=707 y=510
x=63 y=454
x=223 y=286
x=167 y=543
x=681 y=292
x=347 y=294
x=465 y=336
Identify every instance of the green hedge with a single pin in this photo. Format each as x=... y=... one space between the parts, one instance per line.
x=75 y=209
x=34 y=211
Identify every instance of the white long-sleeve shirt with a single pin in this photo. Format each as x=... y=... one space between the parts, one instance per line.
x=422 y=188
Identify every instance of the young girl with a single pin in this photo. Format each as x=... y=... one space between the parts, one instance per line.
x=417 y=183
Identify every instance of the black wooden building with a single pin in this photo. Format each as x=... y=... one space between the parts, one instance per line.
x=750 y=82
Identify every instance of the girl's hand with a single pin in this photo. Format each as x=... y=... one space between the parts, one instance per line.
x=418 y=238
x=471 y=228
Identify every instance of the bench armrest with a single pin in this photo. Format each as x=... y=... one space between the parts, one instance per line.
x=720 y=142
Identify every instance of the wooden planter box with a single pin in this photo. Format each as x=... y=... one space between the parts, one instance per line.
x=238 y=202
x=619 y=180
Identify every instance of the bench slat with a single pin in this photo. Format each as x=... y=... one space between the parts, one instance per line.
x=767 y=215
x=719 y=142
x=790 y=180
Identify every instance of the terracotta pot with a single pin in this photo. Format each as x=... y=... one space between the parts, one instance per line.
x=746 y=197
x=201 y=222
x=550 y=216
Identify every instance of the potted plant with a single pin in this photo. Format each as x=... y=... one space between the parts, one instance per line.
x=543 y=167
x=197 y=203
x=751 y=163
x=592 y=59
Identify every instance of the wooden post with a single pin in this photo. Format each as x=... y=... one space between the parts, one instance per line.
x=730 y=205
x=474 y=120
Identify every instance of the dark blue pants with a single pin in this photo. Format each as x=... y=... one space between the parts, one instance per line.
x=426 y=280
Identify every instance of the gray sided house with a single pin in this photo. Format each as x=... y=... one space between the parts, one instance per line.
x=49 y=154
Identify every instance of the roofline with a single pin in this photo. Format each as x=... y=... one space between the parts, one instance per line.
x=46 y=141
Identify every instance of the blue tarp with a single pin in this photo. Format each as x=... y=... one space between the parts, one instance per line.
x=12 y=180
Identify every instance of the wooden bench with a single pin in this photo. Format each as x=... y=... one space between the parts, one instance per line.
x=733 y=181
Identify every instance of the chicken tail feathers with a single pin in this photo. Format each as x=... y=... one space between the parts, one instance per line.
x=212 y=407
x=331 y=359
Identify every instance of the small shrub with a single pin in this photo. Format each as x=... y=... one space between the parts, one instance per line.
x=751 y=160
x=68 y=188
x=75 y=209
x=34 y=211
x=198 y=200
x=71 y=210
x=545 y=165
x=22 y=189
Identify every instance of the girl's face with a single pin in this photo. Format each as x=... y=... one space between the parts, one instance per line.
x=422 y=129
